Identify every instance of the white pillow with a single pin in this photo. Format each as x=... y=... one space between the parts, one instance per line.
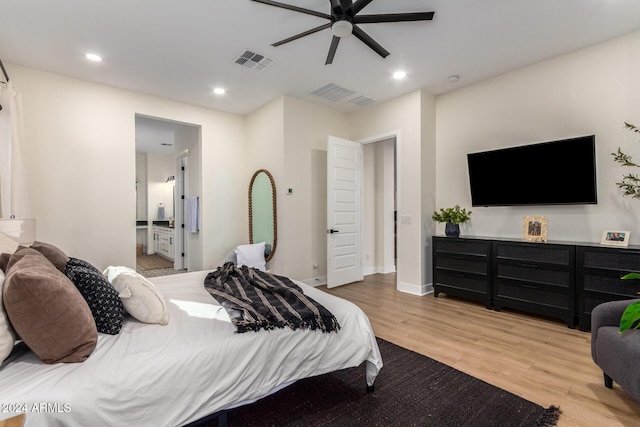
x=7 y=335
x=139 y=296
x=251 y=256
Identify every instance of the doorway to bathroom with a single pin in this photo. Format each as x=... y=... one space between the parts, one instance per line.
x=162 y=181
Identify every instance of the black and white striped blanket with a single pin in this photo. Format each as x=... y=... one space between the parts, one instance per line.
x=258 y=300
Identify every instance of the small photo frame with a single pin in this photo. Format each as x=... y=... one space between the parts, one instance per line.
x=615 y=238
x=534 y=228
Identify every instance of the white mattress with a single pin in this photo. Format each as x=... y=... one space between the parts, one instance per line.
x=152 y=375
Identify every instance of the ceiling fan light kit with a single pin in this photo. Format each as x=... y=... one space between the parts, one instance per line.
x=342 y=28
x=344 y=20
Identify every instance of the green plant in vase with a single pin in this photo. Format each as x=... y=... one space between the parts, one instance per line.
x=452 y=217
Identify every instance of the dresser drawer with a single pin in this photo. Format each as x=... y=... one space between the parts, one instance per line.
x=462 y=280
x=461 y=263
x=462 y=246
x=609 y=284
x=612 y=259
x=534 y=273
x=535 y=253
x=534 y=294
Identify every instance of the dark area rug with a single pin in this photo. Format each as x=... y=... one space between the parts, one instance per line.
x=411 y=390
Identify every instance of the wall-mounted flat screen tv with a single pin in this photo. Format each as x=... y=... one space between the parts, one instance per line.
x=559 y=172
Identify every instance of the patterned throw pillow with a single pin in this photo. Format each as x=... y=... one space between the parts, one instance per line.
x=106 y=307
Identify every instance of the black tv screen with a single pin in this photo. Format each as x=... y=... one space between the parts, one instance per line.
x=559 y=172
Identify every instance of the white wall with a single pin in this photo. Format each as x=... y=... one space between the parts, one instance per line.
x=403 y=117
x=80 y=161
x=591 y=91
x=428 y=177
x=265 y=150
x=141 y=186
x=289 y=138
x=303 y=235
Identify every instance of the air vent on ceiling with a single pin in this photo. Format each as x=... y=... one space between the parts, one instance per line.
x=332 y=92
x=362 y=100
x=253 y=60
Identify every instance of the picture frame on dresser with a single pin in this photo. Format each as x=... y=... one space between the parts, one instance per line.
x=615 y=238
x=534 y=228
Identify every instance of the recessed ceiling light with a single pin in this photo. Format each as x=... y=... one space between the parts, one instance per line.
x=454 y=78
x=93 y=57
x=219 y=91
x=399 y=75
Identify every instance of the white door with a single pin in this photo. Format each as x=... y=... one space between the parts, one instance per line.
x=344 y=172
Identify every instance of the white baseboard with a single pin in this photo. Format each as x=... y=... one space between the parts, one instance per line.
x=388 y=269
x=415 y=289
x=367 y=271
x=318 y=281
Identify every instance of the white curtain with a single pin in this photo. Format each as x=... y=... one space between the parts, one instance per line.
x=13 y=179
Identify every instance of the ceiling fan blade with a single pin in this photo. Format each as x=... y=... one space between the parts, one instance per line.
x=294 y=8
x=360 y=4
x=341 y=7
x=347 y=5
x=306 y=33
x=332 y=50
x=366 y=39
x=393 y=17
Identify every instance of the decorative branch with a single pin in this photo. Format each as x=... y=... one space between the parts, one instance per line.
x=630 y=184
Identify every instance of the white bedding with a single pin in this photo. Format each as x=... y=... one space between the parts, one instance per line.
x=154 y=375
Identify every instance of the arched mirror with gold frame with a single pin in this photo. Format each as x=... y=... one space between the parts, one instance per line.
x=262 y=211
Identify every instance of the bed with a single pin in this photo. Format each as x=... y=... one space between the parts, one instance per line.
x=175 y=374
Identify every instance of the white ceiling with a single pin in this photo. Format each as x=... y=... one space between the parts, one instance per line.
x=182 y=49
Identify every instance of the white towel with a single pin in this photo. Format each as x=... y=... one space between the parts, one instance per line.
x=191 y=214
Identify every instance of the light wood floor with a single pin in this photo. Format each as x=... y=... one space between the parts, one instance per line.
x=537 y=358
x=153 y=262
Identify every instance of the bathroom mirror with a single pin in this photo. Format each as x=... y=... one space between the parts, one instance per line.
x=262 y=211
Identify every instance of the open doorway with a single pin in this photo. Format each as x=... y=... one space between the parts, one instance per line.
x=379 y=207
x=162 y=148
x=361 y=232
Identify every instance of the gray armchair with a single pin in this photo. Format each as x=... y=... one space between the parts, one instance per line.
x=618 y=355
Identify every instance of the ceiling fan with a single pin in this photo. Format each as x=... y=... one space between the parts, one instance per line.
x=343 y=22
